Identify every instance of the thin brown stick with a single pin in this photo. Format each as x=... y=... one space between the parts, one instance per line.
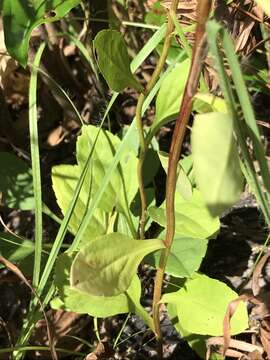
x=21 y=276
x=198 y=56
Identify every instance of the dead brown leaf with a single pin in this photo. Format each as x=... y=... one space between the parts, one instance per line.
x=68 y=328
x=265 y=339
x=95 y=355
x=237 y=348
x=255 y=355
x=103 y=351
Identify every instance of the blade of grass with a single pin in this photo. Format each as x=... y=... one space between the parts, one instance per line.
x=121 y=331
x=181 y=34
x=151 y=44
x=35 y=159
x=40 y=348
x=59 y=87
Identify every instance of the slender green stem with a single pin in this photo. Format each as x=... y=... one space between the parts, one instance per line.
x=96 y=329
x=33 y=129
x=121 y=331
x=149 y=87
x=198 y=55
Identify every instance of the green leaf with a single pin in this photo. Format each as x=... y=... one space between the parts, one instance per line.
x=99 y=306
x=16 y=182
x=216 y=162
x=20 y=17
x=195 y=341
x=150 y=166
x=64 y=179
x=120 y=191
x=15 y=249
x=114 y=61
x=265 y=5
x=107 y=264
x=185 y=257
x=85 y=303
x=20 y=251
x=202 y=304
x=168 y=102
x=183 y=184
x=123 y=185
x=215 y=103
x=157 y=14
x=192 y=218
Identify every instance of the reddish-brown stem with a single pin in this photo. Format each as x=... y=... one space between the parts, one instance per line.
x=198 y=55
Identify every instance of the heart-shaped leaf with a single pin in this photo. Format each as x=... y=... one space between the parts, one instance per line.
x=113 y=60
x=168 y=102
x=201 y=306
x=216 y=161
x=106 y=266
x=81 y=302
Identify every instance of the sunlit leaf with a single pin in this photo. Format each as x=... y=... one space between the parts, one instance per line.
x=168 y=102
x=195 y=341
x=265 y=5
x=214 y=103
x=65 y=178
x=192 y=218
x=185 y=256
x=123 y=185
x=183 y=184
x=201 y=306
x=106 y=265
x=216 y=162
x=85 y=303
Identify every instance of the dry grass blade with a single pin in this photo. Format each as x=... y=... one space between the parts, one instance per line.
x=226 y=322
x=21 y=276
x=239 y=18
x=257 y=273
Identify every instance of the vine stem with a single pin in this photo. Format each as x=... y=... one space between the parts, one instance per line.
x=198 y=55
x=149 y=87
